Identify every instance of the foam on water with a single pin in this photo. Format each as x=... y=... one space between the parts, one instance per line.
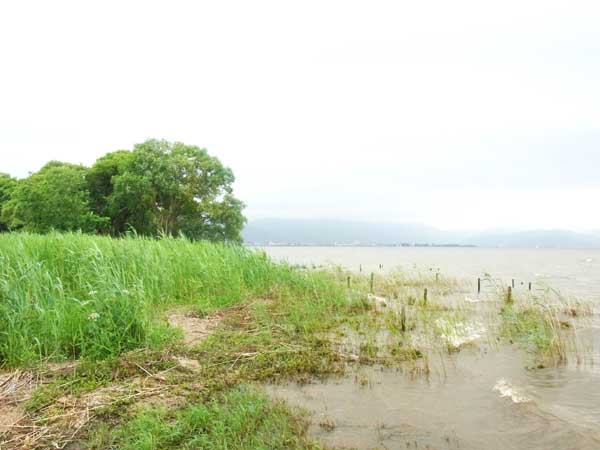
x=460 y=333
x=505 y=389
x=377 y=299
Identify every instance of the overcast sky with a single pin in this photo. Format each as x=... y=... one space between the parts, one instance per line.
x=458 y=114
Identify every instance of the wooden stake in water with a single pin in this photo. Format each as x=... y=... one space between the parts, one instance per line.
x=372 y=276
x=479 y=285
x=403 y=319
x=425 y=297
x=509 y=298
x=530 y=285
x=513 y=283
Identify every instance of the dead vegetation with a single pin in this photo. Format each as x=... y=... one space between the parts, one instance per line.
x=40 y=409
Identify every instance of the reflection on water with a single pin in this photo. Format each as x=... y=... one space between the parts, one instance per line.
x=485 y=399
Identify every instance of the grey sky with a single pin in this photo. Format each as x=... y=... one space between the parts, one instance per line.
x=467 y=115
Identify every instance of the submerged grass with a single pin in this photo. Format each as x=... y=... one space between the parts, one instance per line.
x=535 y=328
x=65 y=296
x=545 y=325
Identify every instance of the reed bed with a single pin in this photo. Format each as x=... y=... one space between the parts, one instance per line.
x=66 y=296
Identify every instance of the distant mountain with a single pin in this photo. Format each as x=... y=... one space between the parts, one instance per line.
x=341 y=232
x=327 y=232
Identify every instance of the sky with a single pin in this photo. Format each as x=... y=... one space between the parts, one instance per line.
x=465 y=115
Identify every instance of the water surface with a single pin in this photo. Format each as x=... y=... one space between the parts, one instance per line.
x=573 y=272
x=488 y=395
x=483 y=400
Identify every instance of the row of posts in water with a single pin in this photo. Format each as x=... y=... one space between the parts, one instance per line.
x=509 y=293
x=512 y=286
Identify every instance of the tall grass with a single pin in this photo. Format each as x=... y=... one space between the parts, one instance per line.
x=71 y=295
x=547 y=324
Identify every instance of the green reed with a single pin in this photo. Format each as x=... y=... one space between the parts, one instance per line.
x=65 y=296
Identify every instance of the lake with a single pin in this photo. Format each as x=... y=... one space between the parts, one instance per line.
x=486 y=396
x=573 y=272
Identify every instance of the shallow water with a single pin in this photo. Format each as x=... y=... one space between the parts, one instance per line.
x=482 y=397
x=573 y=272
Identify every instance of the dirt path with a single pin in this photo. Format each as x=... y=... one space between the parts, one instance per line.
x=194 y=329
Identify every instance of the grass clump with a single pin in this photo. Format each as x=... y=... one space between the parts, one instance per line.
x=240 y=419
x=534 y=327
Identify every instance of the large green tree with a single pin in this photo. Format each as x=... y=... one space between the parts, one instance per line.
x=170 y=188
x=7 y=187
x=158 y=188
x=54 y=198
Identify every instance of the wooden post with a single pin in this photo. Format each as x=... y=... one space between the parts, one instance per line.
x=479 y=285
x=360 y=268
x=348 y=281
x=530 y=285
x=509 y=298
x=513 y=283
x=372 y=276
x=425 y=297
x=403 y=319
x=437 y=277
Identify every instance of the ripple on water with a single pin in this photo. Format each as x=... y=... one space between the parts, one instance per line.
x=570 y=394
x=455 y=408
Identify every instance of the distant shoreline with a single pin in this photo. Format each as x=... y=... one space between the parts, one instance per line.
x=281 y=245
x=277 y=244
x=340 y=233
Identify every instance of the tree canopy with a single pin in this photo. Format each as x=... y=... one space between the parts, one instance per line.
x=7 y=186
x=157 y=188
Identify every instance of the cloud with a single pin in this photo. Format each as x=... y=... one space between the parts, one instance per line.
x=390 y=110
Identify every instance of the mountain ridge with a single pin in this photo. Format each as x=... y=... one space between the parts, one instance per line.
x=347 y=232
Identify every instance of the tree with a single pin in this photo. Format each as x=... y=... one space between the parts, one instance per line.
x=220 y=221
x=174 y=188
x=55 y=197
x=100 y=184
x=158 y=188
x=7 y=187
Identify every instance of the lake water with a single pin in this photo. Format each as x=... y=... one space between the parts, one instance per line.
x=486 y=396
x=573 y=272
